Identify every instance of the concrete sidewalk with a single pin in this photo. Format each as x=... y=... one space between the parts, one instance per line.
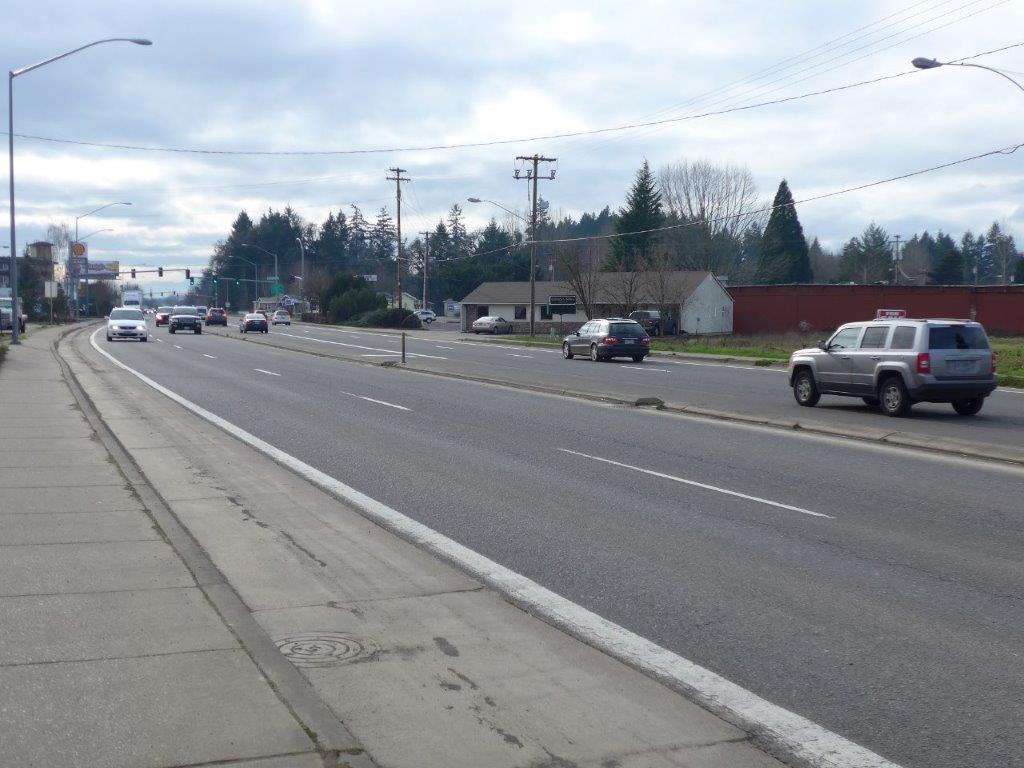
x=111 y=652
x=427 y=667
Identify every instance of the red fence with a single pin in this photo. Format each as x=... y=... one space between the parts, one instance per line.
x=788 y=308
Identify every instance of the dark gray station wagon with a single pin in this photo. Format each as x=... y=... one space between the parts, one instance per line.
x=605 y=339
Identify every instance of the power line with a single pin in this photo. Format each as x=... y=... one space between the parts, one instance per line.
x=766 y=209
x=493 y=142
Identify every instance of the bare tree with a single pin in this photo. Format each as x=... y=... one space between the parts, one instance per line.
x=720 y=202
x=580 y=262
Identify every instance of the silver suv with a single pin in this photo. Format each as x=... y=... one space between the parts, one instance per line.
x=894 y=363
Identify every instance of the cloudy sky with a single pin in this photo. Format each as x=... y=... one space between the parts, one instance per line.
x=314 y=75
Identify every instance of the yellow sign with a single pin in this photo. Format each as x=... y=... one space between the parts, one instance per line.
x=78 y=249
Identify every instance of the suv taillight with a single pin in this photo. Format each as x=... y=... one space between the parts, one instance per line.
x=645 y=340
x=609 y=340
x=924 y=363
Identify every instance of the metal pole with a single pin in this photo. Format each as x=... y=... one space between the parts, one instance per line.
x=15 y=312
x=426 y=267
x=403 y=347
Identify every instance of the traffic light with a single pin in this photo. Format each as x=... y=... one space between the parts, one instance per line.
x=133 y=273
x=188 y=274
x=191 y=281
x=238 y=282
x=160 y=271
x=214 y=279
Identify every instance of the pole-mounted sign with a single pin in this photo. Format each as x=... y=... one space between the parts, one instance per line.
x=562 y=305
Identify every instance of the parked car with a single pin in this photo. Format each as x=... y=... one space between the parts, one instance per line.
x=163 y=315
x=281 y=317
x=201 y=311
x=127 y=323
x=492 y=324
x=426 y=315
x=607 y=338
x=650 y=319
x=896 y=362
x=254 y=321
x=185 y=319
x=6 y=312
x=216 y=316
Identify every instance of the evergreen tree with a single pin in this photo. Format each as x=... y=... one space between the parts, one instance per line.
x=972 y=248
x=382 y=237
x=867 y=259
x=358 y=236
x=824 y=265
x=784 y=257
x=949 y=270
x=458 y=237
x=441 y=243
x=332 y=242
x=999 y=256
x=642 y=212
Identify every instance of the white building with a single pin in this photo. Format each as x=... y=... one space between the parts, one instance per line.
x=692 y=302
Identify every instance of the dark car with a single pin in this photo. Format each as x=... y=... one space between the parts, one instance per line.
x=254 y=321
x=163 y=315
x=605 y=339
x=216 y=316
x=650 y=319
x=185 y=319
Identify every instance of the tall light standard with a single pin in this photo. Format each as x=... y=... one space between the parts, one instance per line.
x=302 y=265
x=925 y=63
x=77 y=219
x=492 y=202
x=86 y=237
x=255 y=273
x=277 y=275
x=10 y=152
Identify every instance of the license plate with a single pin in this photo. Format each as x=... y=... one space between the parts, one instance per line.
x=963 y=366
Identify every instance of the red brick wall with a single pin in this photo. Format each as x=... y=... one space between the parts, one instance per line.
x=782 y=308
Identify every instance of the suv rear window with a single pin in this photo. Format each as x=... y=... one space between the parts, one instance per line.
x=957 y=337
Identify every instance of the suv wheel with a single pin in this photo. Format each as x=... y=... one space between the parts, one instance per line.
x=594 y=354
x=894 y=397
x=968 y=406
x=805 y=390
x=567 y=351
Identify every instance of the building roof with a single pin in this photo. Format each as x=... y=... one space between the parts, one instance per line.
x=608 y=288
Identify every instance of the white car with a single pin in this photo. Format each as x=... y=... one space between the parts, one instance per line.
x=281 y=317
x=127 y=323
x=426 y=315
x=492 y=324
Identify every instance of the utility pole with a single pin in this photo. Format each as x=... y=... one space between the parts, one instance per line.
x=532 y=175
x=896 y=260
x=397 y=178
x=426 y=265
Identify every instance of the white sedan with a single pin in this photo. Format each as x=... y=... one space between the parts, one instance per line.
x=125 y=323
x=492 y=324
x=426 y=315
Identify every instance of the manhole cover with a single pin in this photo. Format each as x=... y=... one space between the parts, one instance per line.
x=326 y=649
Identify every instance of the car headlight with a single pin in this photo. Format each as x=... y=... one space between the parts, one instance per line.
x=140 y=327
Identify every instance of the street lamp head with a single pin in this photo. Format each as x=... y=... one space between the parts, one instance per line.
x=140 y=41
x=473 y=200
x=923 y=63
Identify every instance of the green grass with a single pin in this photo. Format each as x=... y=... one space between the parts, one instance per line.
x=1010 y=363
x=3 y=350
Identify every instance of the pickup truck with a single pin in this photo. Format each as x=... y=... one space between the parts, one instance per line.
x=5 y=315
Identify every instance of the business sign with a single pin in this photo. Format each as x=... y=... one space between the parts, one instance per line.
x=562 y=305
x=79 y=249
x=888 y=314
x=79 y=264
x=102 y=270
x=370 y=278
x=51 y=289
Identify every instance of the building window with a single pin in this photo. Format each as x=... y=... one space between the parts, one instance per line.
x=483 y=310
x=545 y=312
x=520 y=312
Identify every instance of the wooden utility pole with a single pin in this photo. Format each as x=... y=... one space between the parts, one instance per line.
x=532 y=175
x=896 y=260
x=426 y=265
x=397 y=178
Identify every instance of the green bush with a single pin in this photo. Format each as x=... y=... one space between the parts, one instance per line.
x=388 y=318
x=352 y=302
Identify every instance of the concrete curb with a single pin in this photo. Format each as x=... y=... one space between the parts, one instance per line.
x=945 y=446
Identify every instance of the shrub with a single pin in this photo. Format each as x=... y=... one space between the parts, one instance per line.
x=389 y=318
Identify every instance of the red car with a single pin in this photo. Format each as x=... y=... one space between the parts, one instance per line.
x=216 y=316
x=163 y=315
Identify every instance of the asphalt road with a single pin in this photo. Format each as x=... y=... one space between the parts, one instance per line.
x=738 y=388
x=873 y=590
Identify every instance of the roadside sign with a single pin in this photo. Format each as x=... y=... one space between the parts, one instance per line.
x=50 y=289
x=370 y=278
x=79 y=264
x=276 y=289
x=883 y=314
x=562 y=305
x=227 y=305
x=79 y=249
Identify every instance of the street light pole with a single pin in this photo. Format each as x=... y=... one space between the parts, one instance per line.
x=922 y=62
x=509 y=211
x=15 y=312
x=302 y=265
x=77 y=218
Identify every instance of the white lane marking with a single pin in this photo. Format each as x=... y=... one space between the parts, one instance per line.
x=645 y=368
x=514 y=355
x=161 y=341
x=452 y=348
x=772 y=369
x=696 y=484
x=177 y=347
x=381 y=354
x=373 y=400
x=783 y=729
x=212 y=357
x=269 y=373
x=1010 y=390
x=359 y=346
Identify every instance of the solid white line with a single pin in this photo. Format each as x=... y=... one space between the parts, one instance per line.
x=269 y=373
x=705 y=486
x=512 y=355
x=383 y=402
x=452 y=348
x=212 y=357
x=645 y=368
x=785 y=730
x=161 y=341
x=727 y=365
x=382 y=354
x=177 y=347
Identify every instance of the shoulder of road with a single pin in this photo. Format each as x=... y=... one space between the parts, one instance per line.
x=147 y=551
